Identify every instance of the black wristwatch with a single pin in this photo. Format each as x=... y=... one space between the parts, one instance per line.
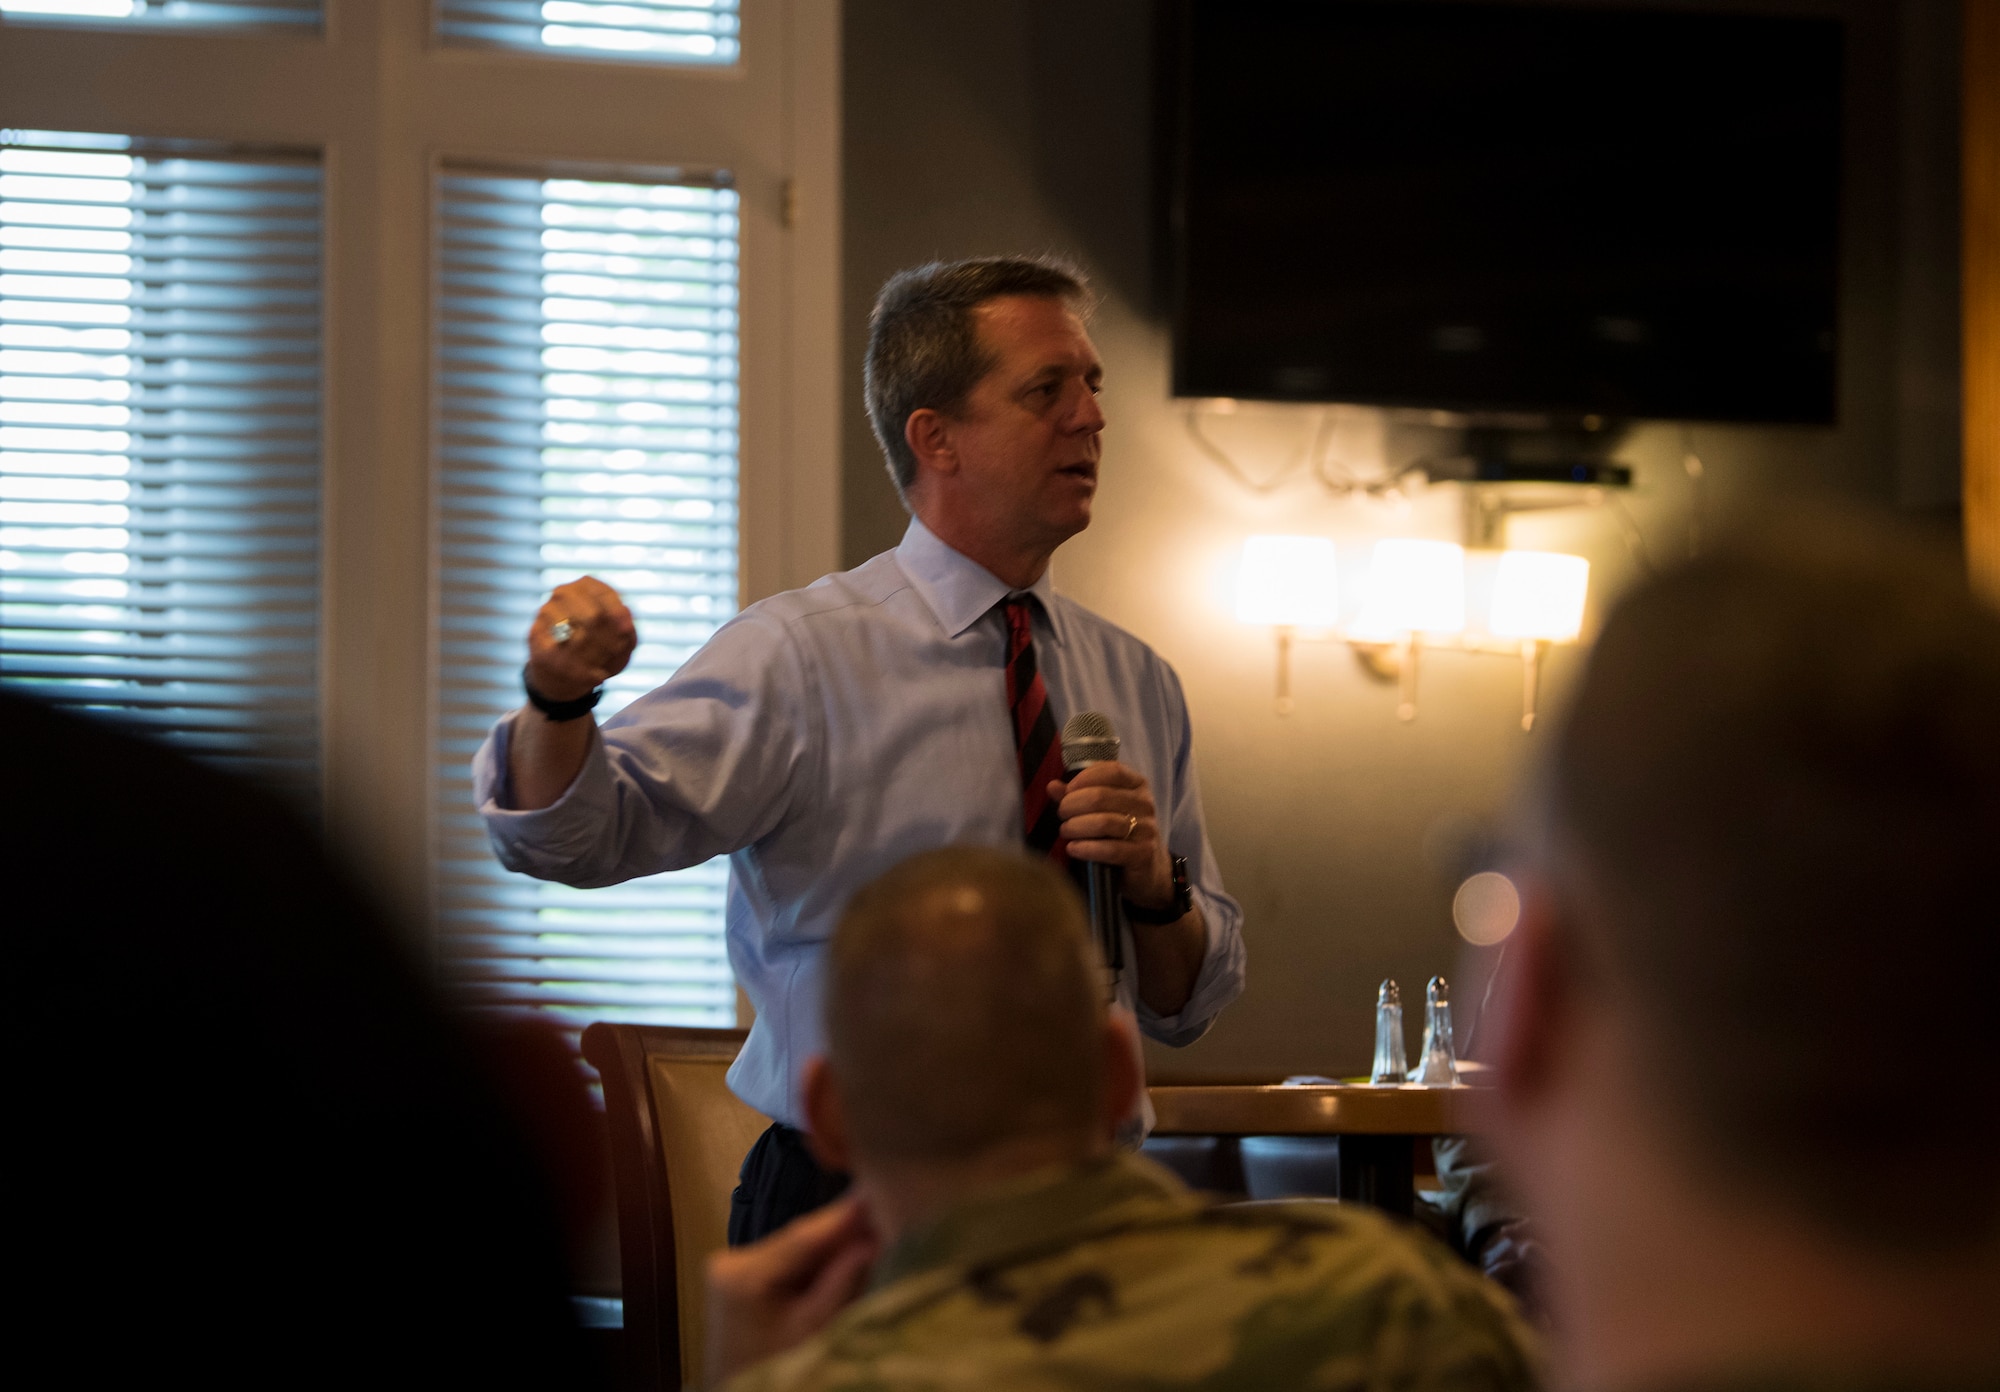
x=560 y=711
x=1174 y=912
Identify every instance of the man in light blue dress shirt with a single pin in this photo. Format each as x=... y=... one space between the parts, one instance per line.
x=826 y=734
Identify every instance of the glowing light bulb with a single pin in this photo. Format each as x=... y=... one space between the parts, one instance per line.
x=1413 y=587
x=1539 y=595
x=1289 y=581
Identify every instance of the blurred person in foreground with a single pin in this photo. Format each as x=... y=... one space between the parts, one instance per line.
x=1744 y=1054
x=248 y=1148
x=972 y=1084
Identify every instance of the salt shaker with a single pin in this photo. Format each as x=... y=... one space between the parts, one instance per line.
x=1391 y=1067
x=1439 y=1067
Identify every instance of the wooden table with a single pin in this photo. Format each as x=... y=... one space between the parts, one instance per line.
x=1378 y=1128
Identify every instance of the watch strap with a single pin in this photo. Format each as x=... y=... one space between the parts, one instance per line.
x=560 y=711
x=1176 y=910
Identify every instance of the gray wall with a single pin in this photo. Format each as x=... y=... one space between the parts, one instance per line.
x=1014 y=125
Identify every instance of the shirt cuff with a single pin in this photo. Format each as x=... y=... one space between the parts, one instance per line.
x=1219 y=982
x=546 y=841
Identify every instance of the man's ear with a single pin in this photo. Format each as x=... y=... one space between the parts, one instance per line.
x=1124 y=1074
x=826 y=1122
x=928 y=434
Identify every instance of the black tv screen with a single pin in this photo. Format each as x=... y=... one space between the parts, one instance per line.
x=1498 y=208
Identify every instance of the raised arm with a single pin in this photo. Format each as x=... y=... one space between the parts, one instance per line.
x=566 y=664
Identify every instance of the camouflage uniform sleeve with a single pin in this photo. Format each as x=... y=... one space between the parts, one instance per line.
x=768 y=1376
x=1308 y=1297
x=1350 y=1300
x=792 y=1372
x=850 y=1352
x=1440 y=1325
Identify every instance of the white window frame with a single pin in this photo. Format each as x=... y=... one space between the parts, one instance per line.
x=389 y=104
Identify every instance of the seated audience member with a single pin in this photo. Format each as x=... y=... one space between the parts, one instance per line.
x=249 y=1149
x=1747 y=1088
x=972 y=1085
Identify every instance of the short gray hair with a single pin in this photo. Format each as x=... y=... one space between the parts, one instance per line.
x=923 y=347
x=963 y=1007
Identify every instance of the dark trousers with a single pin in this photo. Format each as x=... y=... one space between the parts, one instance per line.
x=779 y=1181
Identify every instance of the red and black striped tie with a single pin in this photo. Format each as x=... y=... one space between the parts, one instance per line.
x=1035 y=741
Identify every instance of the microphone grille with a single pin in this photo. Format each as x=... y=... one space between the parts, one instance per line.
x=1087 y=737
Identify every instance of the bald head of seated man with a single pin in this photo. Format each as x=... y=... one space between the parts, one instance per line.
x=997 y=1238
x=1746 y=1046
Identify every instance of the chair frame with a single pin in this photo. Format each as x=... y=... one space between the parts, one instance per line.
x=620 y=1053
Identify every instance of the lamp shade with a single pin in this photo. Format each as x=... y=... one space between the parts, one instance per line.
x=1539 y=595
x=1413 y=587
x=1288 y=580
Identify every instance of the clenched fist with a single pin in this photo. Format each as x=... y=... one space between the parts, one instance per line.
x=600 y=640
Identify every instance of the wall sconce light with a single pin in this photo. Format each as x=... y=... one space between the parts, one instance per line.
x=1538 y=599
x=1416 y=589
x=1415 y=597
x=1290 y=583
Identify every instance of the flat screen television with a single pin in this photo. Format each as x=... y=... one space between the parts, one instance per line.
x=1496 y=208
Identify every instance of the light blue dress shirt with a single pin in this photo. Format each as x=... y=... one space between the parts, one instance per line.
x=825 y=734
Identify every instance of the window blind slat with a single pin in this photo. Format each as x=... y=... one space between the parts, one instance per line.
x=586 y=371
x=159 y=441
x=170 y=14
x=701 y=32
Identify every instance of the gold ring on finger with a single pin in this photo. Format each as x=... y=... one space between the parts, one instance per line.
x=1131 y=825
x=561 y=630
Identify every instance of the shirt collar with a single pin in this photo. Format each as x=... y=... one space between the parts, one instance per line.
x=1047 y=1209
x=958 y=589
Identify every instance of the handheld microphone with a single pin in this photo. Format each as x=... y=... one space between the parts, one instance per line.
x=1087 y=738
